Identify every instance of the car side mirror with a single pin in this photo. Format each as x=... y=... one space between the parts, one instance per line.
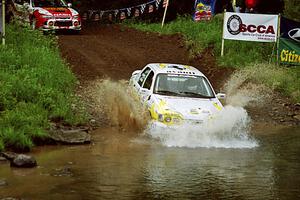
x=221 y=96
x=69 y=5
x=135 y=72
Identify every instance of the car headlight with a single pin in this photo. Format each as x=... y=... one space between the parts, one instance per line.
x=47 y=16
x=75 y=17
x=44 y=12
x=170 y=118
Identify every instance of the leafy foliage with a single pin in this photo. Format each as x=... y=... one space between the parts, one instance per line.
x=36 y=86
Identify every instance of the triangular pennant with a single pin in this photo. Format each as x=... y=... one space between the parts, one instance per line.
x=157 y=4
x=101 y=14
x=122 y=15
x=143 y=8
x=116 y=12
x=165 y=3
x=128 y=11
x=150 y=8
x=110 y=17
x=136 y=12
x=91 y=13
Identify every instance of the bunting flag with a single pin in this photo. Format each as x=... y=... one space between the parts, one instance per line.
x=85 y=16
x=157 y=4
x=91 y=13
x=116 y=12
x=143 y=6
x=150 y=8
x=122 y=15
x=136 y=11
x=110 y=17
x=165 y=3
x=97 y=16
x=101 y=14
x=128 y=11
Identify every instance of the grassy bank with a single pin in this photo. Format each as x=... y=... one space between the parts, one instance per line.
x=36 y=88
x=241 y=55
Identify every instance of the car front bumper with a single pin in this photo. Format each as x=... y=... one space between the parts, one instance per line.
x=53 y=24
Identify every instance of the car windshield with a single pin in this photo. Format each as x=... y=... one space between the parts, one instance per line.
x=183 y=85
x=49 y=3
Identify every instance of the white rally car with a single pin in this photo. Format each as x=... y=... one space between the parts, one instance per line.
x=176 y=94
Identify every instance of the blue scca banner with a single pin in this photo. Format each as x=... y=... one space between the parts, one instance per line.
x=203 y=9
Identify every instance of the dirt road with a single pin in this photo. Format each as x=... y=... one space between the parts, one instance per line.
x=114 y=51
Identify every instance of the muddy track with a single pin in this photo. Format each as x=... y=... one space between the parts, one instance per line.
x=113 y=51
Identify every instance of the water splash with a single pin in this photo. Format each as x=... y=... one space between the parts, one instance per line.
x=230 y=129
x=221 y=132
x=241 y=91
x=113 y=100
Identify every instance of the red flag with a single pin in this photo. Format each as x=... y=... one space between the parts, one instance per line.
x=123 y=15
x=151 y=8
x=165 y=3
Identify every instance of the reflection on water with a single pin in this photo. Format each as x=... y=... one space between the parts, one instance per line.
x=125 y=166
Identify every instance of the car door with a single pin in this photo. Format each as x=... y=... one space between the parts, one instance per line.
x=145 y=90
x=141 y=78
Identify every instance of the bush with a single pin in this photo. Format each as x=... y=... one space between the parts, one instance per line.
x=292 y=8
x=36 y=86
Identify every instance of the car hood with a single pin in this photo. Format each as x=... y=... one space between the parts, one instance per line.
x=57 y=11
x=190 y=108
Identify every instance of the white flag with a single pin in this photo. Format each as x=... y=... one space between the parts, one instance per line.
x=143 y=8
x=128 y=11
x=157 y=4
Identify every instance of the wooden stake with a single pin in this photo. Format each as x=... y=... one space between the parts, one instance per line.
x=223 y=40
x=278 y=37
x=165 y=13
x=3 y=22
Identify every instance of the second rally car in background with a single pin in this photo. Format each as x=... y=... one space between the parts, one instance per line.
x=46 y=14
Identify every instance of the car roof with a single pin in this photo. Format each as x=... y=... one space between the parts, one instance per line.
x=169 y=68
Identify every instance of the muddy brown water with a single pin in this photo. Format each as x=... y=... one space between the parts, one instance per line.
x=124 y=165
x=129 y=165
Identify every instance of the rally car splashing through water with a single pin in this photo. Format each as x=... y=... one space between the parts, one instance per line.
x=176 y=94
x=47 y=14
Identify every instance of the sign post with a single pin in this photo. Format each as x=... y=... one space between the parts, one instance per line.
x=166 y=5
x=2 y=21
x=223 y=40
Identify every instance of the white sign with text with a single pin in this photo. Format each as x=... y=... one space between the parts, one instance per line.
x=250 y=27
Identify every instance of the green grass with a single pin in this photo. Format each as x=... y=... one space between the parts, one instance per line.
x=36 y=86
x=246 y=56
x=203 y=35
x=283 y=79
